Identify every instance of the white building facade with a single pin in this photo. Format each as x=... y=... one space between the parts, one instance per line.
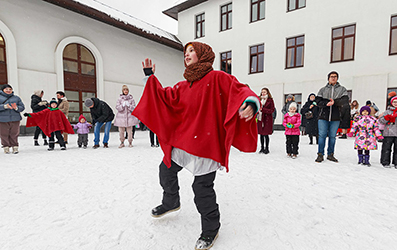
x=290 y=46
x=67 y=46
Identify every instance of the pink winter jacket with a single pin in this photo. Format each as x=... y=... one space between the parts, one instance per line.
x=295 y=120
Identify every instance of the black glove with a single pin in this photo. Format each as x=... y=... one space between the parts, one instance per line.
x=27 y=114
x=148 y=71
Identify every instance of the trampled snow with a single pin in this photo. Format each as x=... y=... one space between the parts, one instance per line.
x=101 y=199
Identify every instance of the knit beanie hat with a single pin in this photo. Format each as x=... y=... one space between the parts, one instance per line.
x=124 y=87
x=82 y=117
x=5 y=86
x=290 y=96
x=368 y=102
x=293 y=105
x=88 y=102
x=391 y=94
x=368 y=109
x=53 y=100
x=38 y=92
x=394 y=98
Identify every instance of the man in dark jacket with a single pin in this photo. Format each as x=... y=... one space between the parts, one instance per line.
x=37 y=105
x=101 y=114
x=330 y=99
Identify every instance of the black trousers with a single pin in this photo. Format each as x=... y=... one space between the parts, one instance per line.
x=387 y=144
x=262 y=139
x=82 y=139
x=152 y=135
x=59 y=136
x=37 y=133
x=204 y=196
x=292 y=144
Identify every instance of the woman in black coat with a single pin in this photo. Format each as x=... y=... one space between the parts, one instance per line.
x=311 y=120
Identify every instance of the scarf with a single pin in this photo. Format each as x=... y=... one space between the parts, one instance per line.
x=205 y=57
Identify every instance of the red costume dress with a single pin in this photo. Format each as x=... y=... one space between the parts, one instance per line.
x=201 y=118
x=50 y=120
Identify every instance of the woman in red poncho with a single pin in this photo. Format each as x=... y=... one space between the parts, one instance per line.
x=197 y=121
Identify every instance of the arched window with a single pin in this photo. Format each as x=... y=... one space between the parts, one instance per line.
x=3 y=62
x=79 y=72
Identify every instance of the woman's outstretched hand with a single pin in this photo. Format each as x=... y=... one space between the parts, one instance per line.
x=246 y=112
x=147 y=64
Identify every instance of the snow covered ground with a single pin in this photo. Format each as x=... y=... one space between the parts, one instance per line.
x=101 y=199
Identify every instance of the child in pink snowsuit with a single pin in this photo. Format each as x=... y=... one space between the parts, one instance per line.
x=292 y=121
x=83 y=128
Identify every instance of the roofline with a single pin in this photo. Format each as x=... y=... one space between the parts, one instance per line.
x=105 y=18
x=173 y=11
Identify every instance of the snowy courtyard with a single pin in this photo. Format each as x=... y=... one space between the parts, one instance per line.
x=101 y=199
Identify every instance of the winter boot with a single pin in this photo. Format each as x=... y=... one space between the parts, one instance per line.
x=36 y=143
x=262 y=151
x=160 y=211
x=360 y=159
x=105 y=145
x=320 y=157
x=331 y=157
x=205 y=242
x=6 y=150
x=15 y=150
x=45 y=143
x=95 y=146
x=366 y=161
x=266 y=151
x=344 y=136
x=311 y=139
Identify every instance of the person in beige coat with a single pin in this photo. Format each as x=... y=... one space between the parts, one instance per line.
x=63 y=105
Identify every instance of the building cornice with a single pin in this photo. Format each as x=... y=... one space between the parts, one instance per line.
x=173 y=11
x=105 y=18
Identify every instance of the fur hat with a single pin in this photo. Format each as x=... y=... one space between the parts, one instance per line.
x=53 y=100
x=368 y=109
x=293 y=105
x=38 y=92
x=88 y=102
x=82 y=117
x=392 y=99
x=290 y=96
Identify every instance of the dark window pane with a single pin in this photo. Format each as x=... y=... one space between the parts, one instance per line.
x=87 y=69
x=229 y=66
x=229 y=55
x=2 y=56
x=260 y=48
x=349 y=30
x=299 y=56
x=337 y=32
x=260 y=62
x=337 y=50
x=262 y=10
x=253 y=50
x=223 y=66
x=70 y=51
x=291 y=42
x=253 y=64
x=393 y=41
x=300 y=40
x=223 y=56
x=70 y=66
x=86 y=55
x=348 y=48
x=72 y=95
x=290 y=58
x=254 y=12
x=292 y=4
x=394 y=21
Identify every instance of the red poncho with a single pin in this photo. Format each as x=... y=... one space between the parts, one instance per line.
x=50 y=121
x=201 y=119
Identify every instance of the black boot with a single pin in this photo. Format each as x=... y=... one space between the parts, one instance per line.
x=205 y=242
x=266 y=151
x=45 y=143
x=160 y=210
x=262 y=151
x=311 y=139
x=36 y=143
x=366 y=161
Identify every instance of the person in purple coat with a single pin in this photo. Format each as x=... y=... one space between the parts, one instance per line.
x=83 y=128
x=124 y=120
x=265 y=119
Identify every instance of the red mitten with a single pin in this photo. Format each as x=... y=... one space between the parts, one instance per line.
x=388 y=117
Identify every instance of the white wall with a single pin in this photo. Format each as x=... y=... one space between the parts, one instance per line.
x=38 y=28
x=368 y=76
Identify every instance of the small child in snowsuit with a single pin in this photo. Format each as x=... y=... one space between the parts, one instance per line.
x=52 y=122
x=83 y=128
x=292 y=121
x=390 y=133
x=366 y=130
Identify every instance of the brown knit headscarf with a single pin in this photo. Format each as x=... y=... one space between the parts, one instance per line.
x=205 y=57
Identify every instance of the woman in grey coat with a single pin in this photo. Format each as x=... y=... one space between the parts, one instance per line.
x=124 y=120
x=10 y=108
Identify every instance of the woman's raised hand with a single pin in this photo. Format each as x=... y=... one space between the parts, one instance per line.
x=147 y=64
